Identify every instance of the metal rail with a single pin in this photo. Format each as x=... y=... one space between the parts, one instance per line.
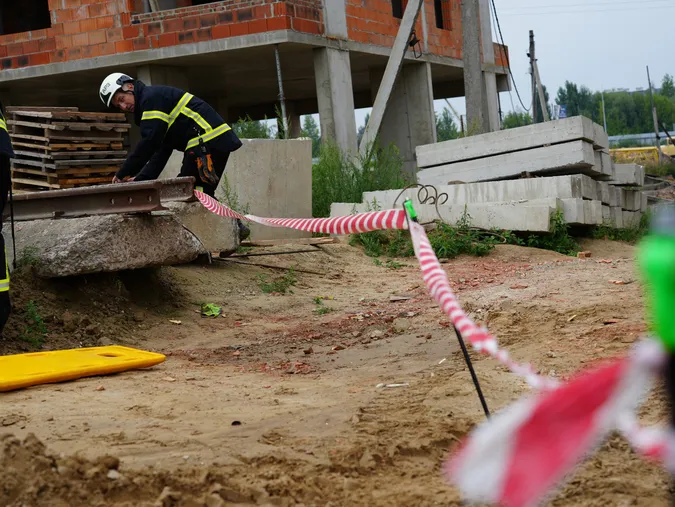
x=132 y=197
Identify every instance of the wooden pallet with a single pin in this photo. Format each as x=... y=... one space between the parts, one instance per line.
x=63 y=147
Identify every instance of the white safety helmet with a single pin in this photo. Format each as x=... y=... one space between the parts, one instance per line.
x=111 y=85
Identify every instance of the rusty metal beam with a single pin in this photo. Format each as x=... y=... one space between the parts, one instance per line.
x=133 y=197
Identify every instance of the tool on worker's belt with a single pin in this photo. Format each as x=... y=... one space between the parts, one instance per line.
x=205 y=165
x=412 y=215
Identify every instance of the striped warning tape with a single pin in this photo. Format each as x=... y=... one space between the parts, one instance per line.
x=622 y=379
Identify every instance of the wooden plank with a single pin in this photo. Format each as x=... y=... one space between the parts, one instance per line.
x=94 y=135
x=33 y=163
x=98 y=126
x=296 y=241
x=31 y=154
x=79 y=163
x=36 y=173
x=68 y=115
x=11 y=109
x=35 y=183
x=21 y=123
x=30 y=145
x=85 y=147
x=14 y=135
x=87 y=170
x=91 y=155
x=76 y=181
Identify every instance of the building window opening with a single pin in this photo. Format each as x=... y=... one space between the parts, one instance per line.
x=442 y=11
x=397 y=8
x=19 y=17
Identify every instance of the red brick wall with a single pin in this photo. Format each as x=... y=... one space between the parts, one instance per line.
x=371 y=21
x=90 y=28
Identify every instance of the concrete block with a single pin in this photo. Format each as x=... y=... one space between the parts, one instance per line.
x=606 y=214
x=628 y=174
x=632 y=200
x=574 y=211
x=644 y=201
x=620 y=198
x=592 y=212
x=617 y=217
x=512 y=140
x=571 y=158
x=602 y=191
x=631 y=219
x=604 y=165
x=274 y=178
x=105 y=243
x=564 y=187
x=216 y=234
x=513 y=216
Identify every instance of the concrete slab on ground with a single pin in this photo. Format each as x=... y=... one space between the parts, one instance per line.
x=512 y=140
x=604 y=164
x=575 y=157
x=512 y=216
x=576 y=186
x=104 y=243
x=616 y=217
x=592 y=212
x=631 y=219
x=216 y=233
x=606 y=215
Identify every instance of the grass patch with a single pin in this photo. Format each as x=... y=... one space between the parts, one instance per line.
x=280 y=284
x=323 y=310
x=558 y=240
x=337 y=178
x=629 y=235
x=36 y=330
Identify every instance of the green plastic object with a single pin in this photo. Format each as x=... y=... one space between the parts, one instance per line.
x=407 y=204
x=656 y=258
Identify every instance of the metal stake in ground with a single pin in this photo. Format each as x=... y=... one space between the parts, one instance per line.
x=411 y=214
x=469 y=364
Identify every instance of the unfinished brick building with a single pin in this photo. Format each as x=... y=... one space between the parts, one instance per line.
x=332 y=57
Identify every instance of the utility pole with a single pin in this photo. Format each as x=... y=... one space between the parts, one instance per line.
x=654 y=116
x=604 y=116
x=533 y=80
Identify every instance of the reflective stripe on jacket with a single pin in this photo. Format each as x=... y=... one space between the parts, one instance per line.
x=172 y=119
x=5 y=141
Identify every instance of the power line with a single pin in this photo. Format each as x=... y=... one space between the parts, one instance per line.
x=607 y=10
x=494 y=30
x=506 y=56
x=588 y=4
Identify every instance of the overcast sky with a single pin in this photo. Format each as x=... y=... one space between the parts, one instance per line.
x=598 y=43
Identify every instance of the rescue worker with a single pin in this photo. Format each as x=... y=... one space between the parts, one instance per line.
x=172 y=119
x=6 y=153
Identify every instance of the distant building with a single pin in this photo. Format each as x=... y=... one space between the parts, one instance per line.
x=332 y=54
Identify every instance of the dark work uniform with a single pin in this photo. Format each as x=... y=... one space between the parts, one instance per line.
x=171 y=119
x=6 y=153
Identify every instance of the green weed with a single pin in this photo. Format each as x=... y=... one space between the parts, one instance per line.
x=558 y=240
x=339 y=178
x=323 y=310
x=281 y=284
x=629 y=235
x=29 y=257
x=36 y=330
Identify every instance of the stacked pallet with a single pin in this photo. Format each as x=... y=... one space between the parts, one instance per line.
x=516 y=179
x=62 y=147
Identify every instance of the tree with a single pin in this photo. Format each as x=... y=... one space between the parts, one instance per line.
x=515 y=119
x=668 y=86
x=578 y=100
x=311 y=129
x=246 y=128
x=362 y=129
x=446 y=128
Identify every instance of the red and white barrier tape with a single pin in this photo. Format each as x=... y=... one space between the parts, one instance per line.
x=584 y=409
x=363 y=222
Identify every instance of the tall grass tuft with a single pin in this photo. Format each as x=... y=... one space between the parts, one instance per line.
x=337 y=178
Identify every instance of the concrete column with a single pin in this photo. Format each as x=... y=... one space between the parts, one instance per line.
x=474 y=86
x=163 y=75
x=335 y=18
x=409 y=119
x=490 y=98
x=335 y=97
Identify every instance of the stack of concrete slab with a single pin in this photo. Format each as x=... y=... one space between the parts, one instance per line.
x=516 y=179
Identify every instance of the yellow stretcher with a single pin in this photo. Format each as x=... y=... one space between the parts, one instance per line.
x=25 y=370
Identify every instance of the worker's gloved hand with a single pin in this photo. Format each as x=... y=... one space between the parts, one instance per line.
x=5 y=309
